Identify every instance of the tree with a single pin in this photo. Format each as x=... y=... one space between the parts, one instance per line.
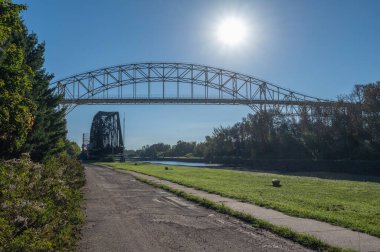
x=50 y=125
x=371 y=107
x=30 y=120
x=72 y=149
x=182 y=148
x=16 y=110
x=155 y=150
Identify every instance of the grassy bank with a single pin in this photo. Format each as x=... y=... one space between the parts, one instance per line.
x=355 y=205
x=305 y=240
x=40 y=205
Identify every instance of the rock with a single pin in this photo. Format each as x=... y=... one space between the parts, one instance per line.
x=275 y=182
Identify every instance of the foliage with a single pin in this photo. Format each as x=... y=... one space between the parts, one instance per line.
x=40 y=205
x=49 y=126
x=346 y=134
x=353 y=133
x=72 y=149
x=16 y=110
x=154 y=151
x=181 y=149
x=344 y=203
x=30 y=120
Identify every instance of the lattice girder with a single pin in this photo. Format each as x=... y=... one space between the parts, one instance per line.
x=180 y=83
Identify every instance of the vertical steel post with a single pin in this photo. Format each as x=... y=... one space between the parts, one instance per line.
x=206 y=84
x=177 y=81
x=104 y=90
x=234 y=87
x=250 y=88
x=163 y=82
x=265 y=96
x=246 y=89
x=107 y=85
x=134 y=82
x=220 y=84
x=120 y=82
x=192 y=83
x=149 y=66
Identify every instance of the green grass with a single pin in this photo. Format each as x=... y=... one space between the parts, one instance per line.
x=355 y=205
x=305 y=240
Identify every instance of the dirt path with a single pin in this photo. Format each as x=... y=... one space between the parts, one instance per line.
x=123 y=214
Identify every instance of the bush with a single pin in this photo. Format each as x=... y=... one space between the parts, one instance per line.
x=40 y=205
x=189 y=155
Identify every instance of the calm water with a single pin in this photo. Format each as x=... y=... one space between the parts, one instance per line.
x=183 y=163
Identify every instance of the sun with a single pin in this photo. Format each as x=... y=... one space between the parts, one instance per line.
x=232 y=31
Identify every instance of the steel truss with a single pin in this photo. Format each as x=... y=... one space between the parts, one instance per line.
x=122 y=85
x=105 y=136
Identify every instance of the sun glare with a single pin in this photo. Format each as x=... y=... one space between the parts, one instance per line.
x=232 y=31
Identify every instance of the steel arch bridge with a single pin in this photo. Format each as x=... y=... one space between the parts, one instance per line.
x=182 y=83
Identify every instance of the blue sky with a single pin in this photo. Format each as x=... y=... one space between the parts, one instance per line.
x=320 y=48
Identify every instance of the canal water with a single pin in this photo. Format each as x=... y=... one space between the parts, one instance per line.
x=194 y=164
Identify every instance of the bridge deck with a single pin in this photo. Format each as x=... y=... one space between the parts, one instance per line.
x=195 y=101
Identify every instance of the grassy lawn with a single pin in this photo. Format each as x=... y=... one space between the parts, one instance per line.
x=355 y=205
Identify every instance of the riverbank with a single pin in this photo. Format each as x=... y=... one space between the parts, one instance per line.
x=366 y=168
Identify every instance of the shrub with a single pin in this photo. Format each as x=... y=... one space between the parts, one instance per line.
x=40 y=205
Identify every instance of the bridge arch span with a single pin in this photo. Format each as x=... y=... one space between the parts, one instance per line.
x=180 y=83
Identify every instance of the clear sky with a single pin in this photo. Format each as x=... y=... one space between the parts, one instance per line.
x=317 y=47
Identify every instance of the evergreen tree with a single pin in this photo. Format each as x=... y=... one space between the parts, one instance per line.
x=49 y=128
x=30 y=120
x=16 y=110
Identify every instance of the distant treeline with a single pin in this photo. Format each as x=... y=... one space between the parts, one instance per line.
x=160 y=150
x=352 y=133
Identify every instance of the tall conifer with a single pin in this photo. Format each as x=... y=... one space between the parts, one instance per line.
x=49 y=129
